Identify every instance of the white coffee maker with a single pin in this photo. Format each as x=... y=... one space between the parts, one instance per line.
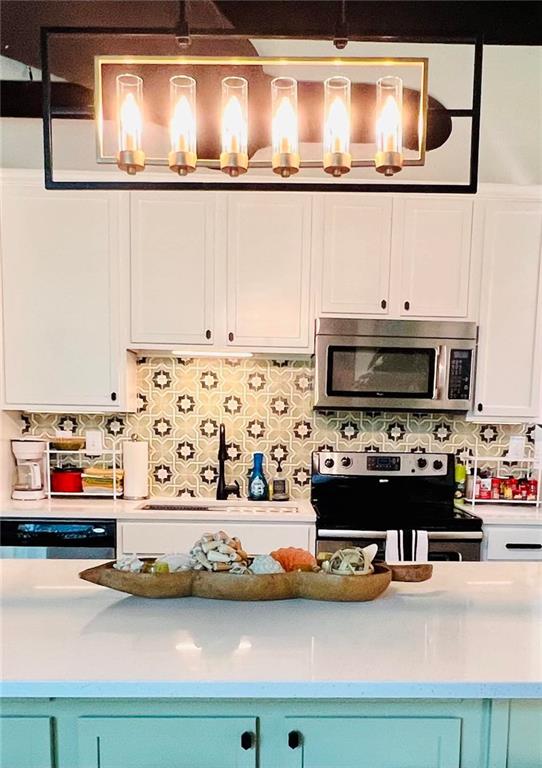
x=31 y=476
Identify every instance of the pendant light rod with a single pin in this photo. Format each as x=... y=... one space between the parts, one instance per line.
x=182 y=28
x=340 y=40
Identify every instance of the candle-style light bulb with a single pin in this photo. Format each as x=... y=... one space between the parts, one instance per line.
x=130 y=155
x=389 y=125
x=284 y=127
x=182 y=126
x=234 y=155
x=337 y=157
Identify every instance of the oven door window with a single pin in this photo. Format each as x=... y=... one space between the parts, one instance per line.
x=381 y=371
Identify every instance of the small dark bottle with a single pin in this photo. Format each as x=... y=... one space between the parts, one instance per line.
x=258 y=489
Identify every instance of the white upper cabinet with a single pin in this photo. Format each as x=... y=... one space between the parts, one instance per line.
x=432 y=240
x=510 y=340
x=268 y=271
x=61 y=275
x=356 y=254
x=172 y=267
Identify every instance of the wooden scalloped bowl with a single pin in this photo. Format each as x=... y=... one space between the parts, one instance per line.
x=225 y=586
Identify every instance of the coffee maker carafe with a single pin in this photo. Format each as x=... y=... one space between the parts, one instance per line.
x=30 y=479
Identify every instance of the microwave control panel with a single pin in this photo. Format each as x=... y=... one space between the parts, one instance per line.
x=460 y=374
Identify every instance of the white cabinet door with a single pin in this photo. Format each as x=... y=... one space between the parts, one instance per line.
x=356 y=254
x=432 y=238
x=509 y=348
x=60 y=261
x=156 y=537
x=172 y=267
x=269 y=270
x=509 y=542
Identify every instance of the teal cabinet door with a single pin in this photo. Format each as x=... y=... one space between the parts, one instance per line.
x=374 y=742
x=25 y=742
x=182 y=742
x=525 y=735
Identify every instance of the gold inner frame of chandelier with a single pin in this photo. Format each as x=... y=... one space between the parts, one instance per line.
x=237 y=61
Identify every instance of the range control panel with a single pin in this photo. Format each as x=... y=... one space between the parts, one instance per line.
x=355 y=464
x=460 y=374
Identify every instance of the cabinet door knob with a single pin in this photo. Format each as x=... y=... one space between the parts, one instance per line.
x=480 y=407
x=113 y=396
x=383 y=303
x=208 y=334
x=294 y=739
x=248 y=740
x=230 y=336
x=407 y=305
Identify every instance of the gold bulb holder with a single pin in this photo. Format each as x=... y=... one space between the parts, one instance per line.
x=233 y=163
x=182 y=162
x=337 y=163
x=285 y=164
x=388 y=163
x=131 y=160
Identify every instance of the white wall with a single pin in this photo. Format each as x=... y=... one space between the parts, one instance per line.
x=10 y=427
x=510 y=146
x=511 y=119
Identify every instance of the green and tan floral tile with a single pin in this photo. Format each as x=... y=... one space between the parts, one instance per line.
x=266 y=406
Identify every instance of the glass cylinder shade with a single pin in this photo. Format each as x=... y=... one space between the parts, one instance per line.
x=337 y=157
x=130 y=156
x=389 y=125
x=182 y=126
x=284 y=128
x=234 y=155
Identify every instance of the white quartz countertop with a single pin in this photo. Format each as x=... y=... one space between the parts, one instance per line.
x=504 y=514
x=295 y=510
x=473 y=631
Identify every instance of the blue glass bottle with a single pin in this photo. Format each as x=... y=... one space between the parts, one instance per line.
x=258 y=489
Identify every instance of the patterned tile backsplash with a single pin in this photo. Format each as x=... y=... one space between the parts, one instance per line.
x=266 y=405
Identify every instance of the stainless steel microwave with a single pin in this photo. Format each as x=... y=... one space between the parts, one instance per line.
x=394 y=364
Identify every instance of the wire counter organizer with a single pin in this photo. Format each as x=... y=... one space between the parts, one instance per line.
x=530 y=468
x=102 y=475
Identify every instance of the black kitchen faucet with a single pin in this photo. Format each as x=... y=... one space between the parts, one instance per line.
x=223 y=490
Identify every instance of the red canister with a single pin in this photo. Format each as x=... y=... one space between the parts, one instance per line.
x=495 y=488
x=66 y=480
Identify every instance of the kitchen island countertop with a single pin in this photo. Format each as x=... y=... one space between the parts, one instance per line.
x=473 y=631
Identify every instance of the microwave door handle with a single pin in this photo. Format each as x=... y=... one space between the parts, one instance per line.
x=439 y=375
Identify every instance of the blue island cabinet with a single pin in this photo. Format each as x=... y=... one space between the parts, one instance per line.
x=182 y=742
x=375 y=742
x=271 y=733
x=26 y=742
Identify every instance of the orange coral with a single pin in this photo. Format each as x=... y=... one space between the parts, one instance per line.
x=294 y=559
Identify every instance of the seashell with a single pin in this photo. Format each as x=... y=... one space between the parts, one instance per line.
x=265 y=564
x=176 y=562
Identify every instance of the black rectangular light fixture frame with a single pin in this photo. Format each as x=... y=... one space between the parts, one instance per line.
x=275 y=186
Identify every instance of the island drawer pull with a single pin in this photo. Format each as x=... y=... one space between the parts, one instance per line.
x=248 y=740
x=295 y=739
x=522 y=546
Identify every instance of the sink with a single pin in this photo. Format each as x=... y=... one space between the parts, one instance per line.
x=179 y=507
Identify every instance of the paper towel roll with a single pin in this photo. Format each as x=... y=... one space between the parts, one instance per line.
x=136 y=469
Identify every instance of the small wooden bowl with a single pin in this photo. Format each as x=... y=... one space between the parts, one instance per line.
x=411 y=571
x=68 y=443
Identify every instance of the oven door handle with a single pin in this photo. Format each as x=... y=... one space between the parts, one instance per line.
x=328 y=533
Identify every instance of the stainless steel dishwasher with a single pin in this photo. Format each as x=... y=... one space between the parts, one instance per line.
x=58 y=538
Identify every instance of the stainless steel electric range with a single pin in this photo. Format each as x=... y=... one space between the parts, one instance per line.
x=359 y=496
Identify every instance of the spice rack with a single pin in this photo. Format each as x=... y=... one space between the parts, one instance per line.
x=529 y=468
x=108 y=458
